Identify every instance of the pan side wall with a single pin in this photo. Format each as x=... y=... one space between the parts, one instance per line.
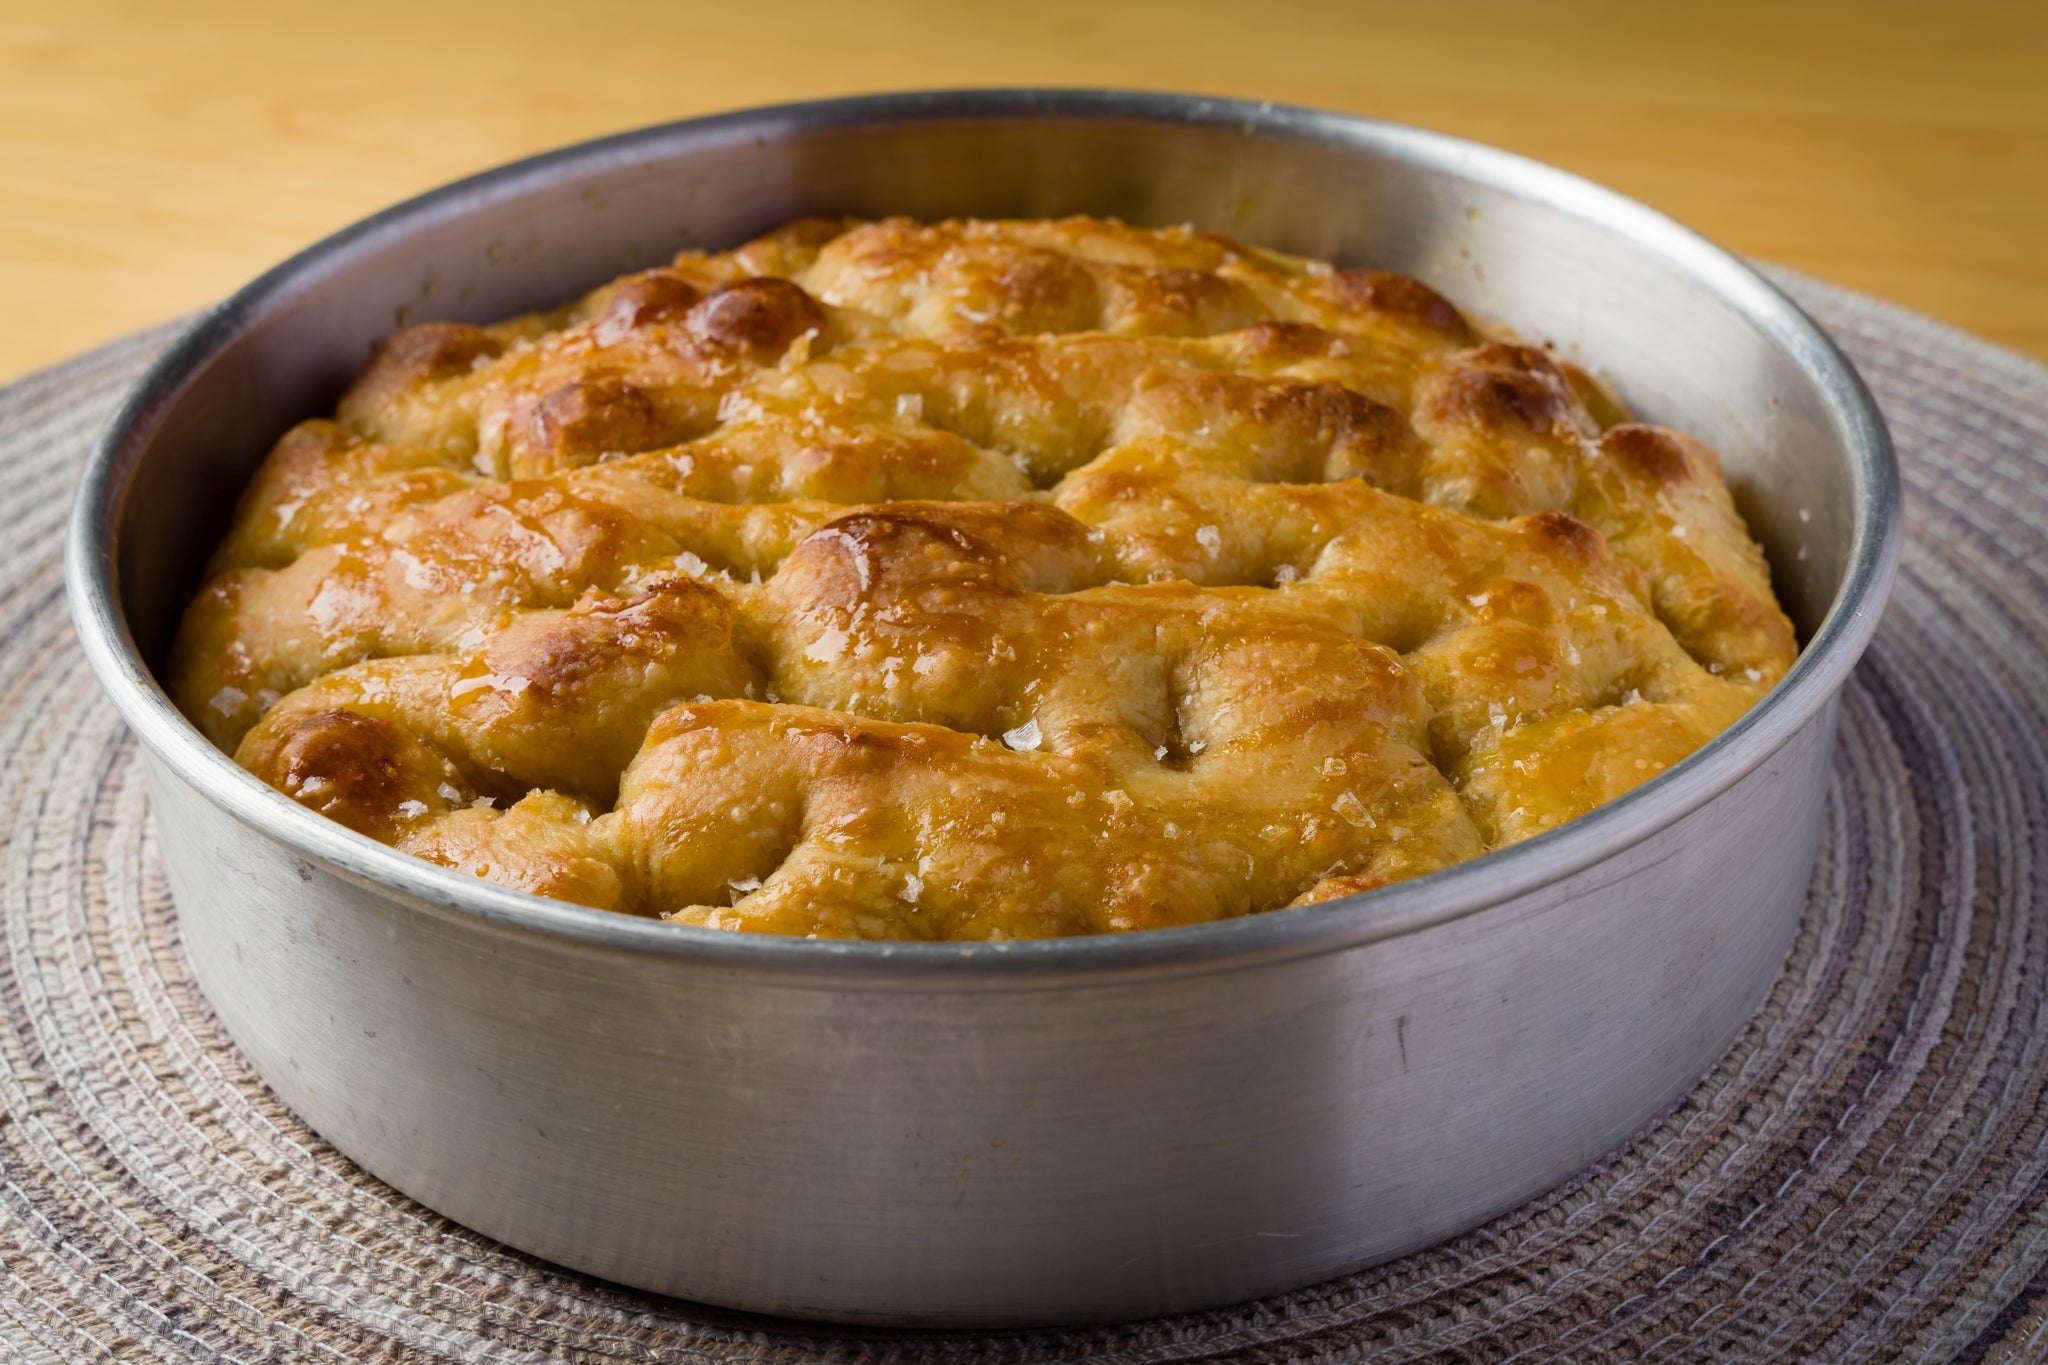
x=996 y=1152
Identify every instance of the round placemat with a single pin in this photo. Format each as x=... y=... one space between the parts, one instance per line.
x=1863 y=1176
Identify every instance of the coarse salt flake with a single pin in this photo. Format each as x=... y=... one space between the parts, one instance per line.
x=827 y=647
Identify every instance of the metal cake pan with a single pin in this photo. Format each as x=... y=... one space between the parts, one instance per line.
x=1057 y=1131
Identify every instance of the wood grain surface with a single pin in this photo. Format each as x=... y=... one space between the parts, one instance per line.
x=153 y=157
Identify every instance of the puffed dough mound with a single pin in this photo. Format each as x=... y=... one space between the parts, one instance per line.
x=974 y=580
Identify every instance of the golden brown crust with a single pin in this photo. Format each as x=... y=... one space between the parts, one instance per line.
x=974 y=580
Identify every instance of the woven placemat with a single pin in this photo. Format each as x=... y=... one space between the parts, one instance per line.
x=1864 y=1176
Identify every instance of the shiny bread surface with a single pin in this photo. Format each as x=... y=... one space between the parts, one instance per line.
x=974 y=580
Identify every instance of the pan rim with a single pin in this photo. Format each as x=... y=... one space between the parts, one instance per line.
x=1410 y=907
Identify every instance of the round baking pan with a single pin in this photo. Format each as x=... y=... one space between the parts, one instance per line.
x=1055 y=1131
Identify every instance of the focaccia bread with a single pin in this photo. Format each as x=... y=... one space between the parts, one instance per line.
x=974 y=580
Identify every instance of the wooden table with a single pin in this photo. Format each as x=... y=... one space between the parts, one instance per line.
x=153 y=157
